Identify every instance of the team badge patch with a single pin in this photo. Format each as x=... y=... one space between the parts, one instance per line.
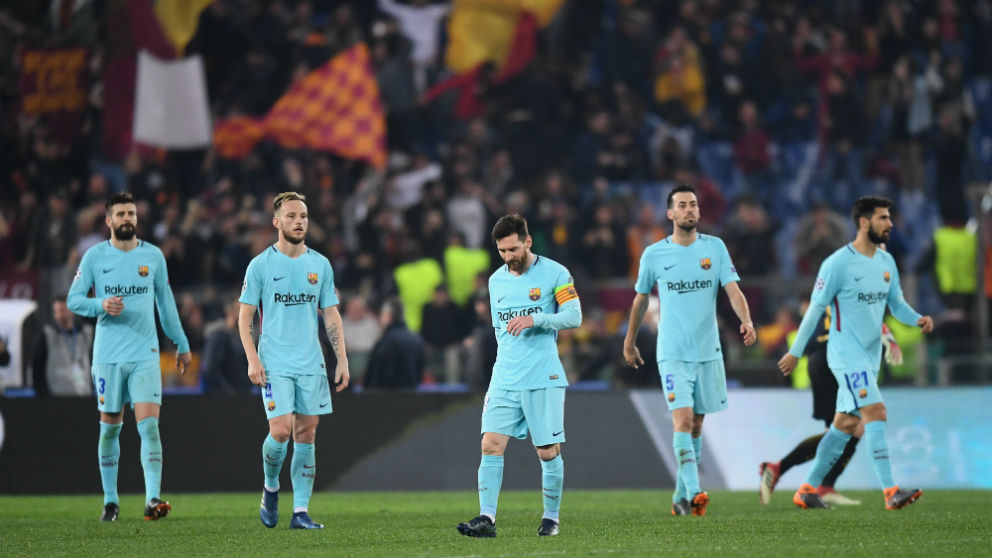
x=101 y=400
x=671 y=397
x=705 y=263
x=312 y=277
x=863 y=393
x=535 y=293
x=886 y=276
x=272 y=405
x=143 y=270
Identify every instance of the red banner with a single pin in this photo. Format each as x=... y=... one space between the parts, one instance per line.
x=54 y=81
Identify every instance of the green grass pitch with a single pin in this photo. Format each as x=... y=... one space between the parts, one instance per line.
x=594 y=523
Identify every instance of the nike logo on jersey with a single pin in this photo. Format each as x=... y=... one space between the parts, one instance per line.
x=557 y=433
x=724 y=401
x=108 y=270
x=859 y=278
x=309 y=466
x=500 y=299
x=322 y=405
x=156 y=394
x=278 y=278
x=667 y=267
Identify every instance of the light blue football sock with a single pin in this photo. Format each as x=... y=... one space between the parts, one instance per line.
x=151 y=457
x=552 y=478
x=490 y=481
x=685 y=457
x=273 y=456
x=878 y=449
x=828 y=451
x=109 y=453
x=680 y=491
x=304 y=468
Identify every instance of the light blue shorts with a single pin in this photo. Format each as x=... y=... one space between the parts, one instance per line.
x=701 y=385
x=303 y=395
x=856 y=389
x=515 y=412
x=128 y=382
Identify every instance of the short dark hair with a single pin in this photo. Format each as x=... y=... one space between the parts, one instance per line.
x=865 y=207
x=677 y=189
x=119 y=198
x=510 y=224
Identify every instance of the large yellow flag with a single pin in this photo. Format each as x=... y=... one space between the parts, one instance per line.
x=481 y=30
x=179 y=19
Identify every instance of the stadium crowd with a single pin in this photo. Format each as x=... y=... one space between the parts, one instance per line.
x=781 y=113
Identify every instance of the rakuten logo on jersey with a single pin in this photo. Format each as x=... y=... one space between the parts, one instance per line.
x=683 y=287
x=123 y=290
x=291 y=299
x=872 y=298
x=510 y=314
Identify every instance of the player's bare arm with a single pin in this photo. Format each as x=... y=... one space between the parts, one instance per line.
x=631 y=354
x=334 y=329
x=255 y=371
x=739 y=304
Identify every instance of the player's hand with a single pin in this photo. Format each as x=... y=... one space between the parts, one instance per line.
x=787 y=363
x=182 y=361
x=632 y=355
x=341 y=376
x=256 y=373
x=113 y=305
x=925 y=323
x=517 y=325
x=747 y=330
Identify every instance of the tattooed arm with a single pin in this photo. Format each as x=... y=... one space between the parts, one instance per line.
x=335 y=334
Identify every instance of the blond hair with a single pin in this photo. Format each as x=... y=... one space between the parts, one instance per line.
x=285 y=197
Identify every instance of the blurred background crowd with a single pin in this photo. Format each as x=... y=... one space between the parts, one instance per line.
x=781 y=113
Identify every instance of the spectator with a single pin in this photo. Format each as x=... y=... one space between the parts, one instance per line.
x=443 y=329
x=819 y=233
x=361 y=330
x=62 y=356
x=224 y=368
x=397 y=360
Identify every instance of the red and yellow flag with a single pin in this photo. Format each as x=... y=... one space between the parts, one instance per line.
x=334 y=108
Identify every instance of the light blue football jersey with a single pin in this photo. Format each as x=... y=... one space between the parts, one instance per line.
x=689 y=279
x=139 y=276
x=288 y=293
x=858 y=288
x=529 y=360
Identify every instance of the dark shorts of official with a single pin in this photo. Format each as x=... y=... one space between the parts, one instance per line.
x=824 y=387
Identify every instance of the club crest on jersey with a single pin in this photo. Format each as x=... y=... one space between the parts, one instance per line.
x=705 y=263
x=863 y=393
x=143 y=270
x=535 y=293
x=312 y=277
x=671 y=396
x=886 y=276
x=272 y=405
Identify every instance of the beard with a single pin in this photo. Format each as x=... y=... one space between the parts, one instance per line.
x=515 y=265
x=124 y=232
x=288 y=235
x=878 y=238
x=687 y=226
